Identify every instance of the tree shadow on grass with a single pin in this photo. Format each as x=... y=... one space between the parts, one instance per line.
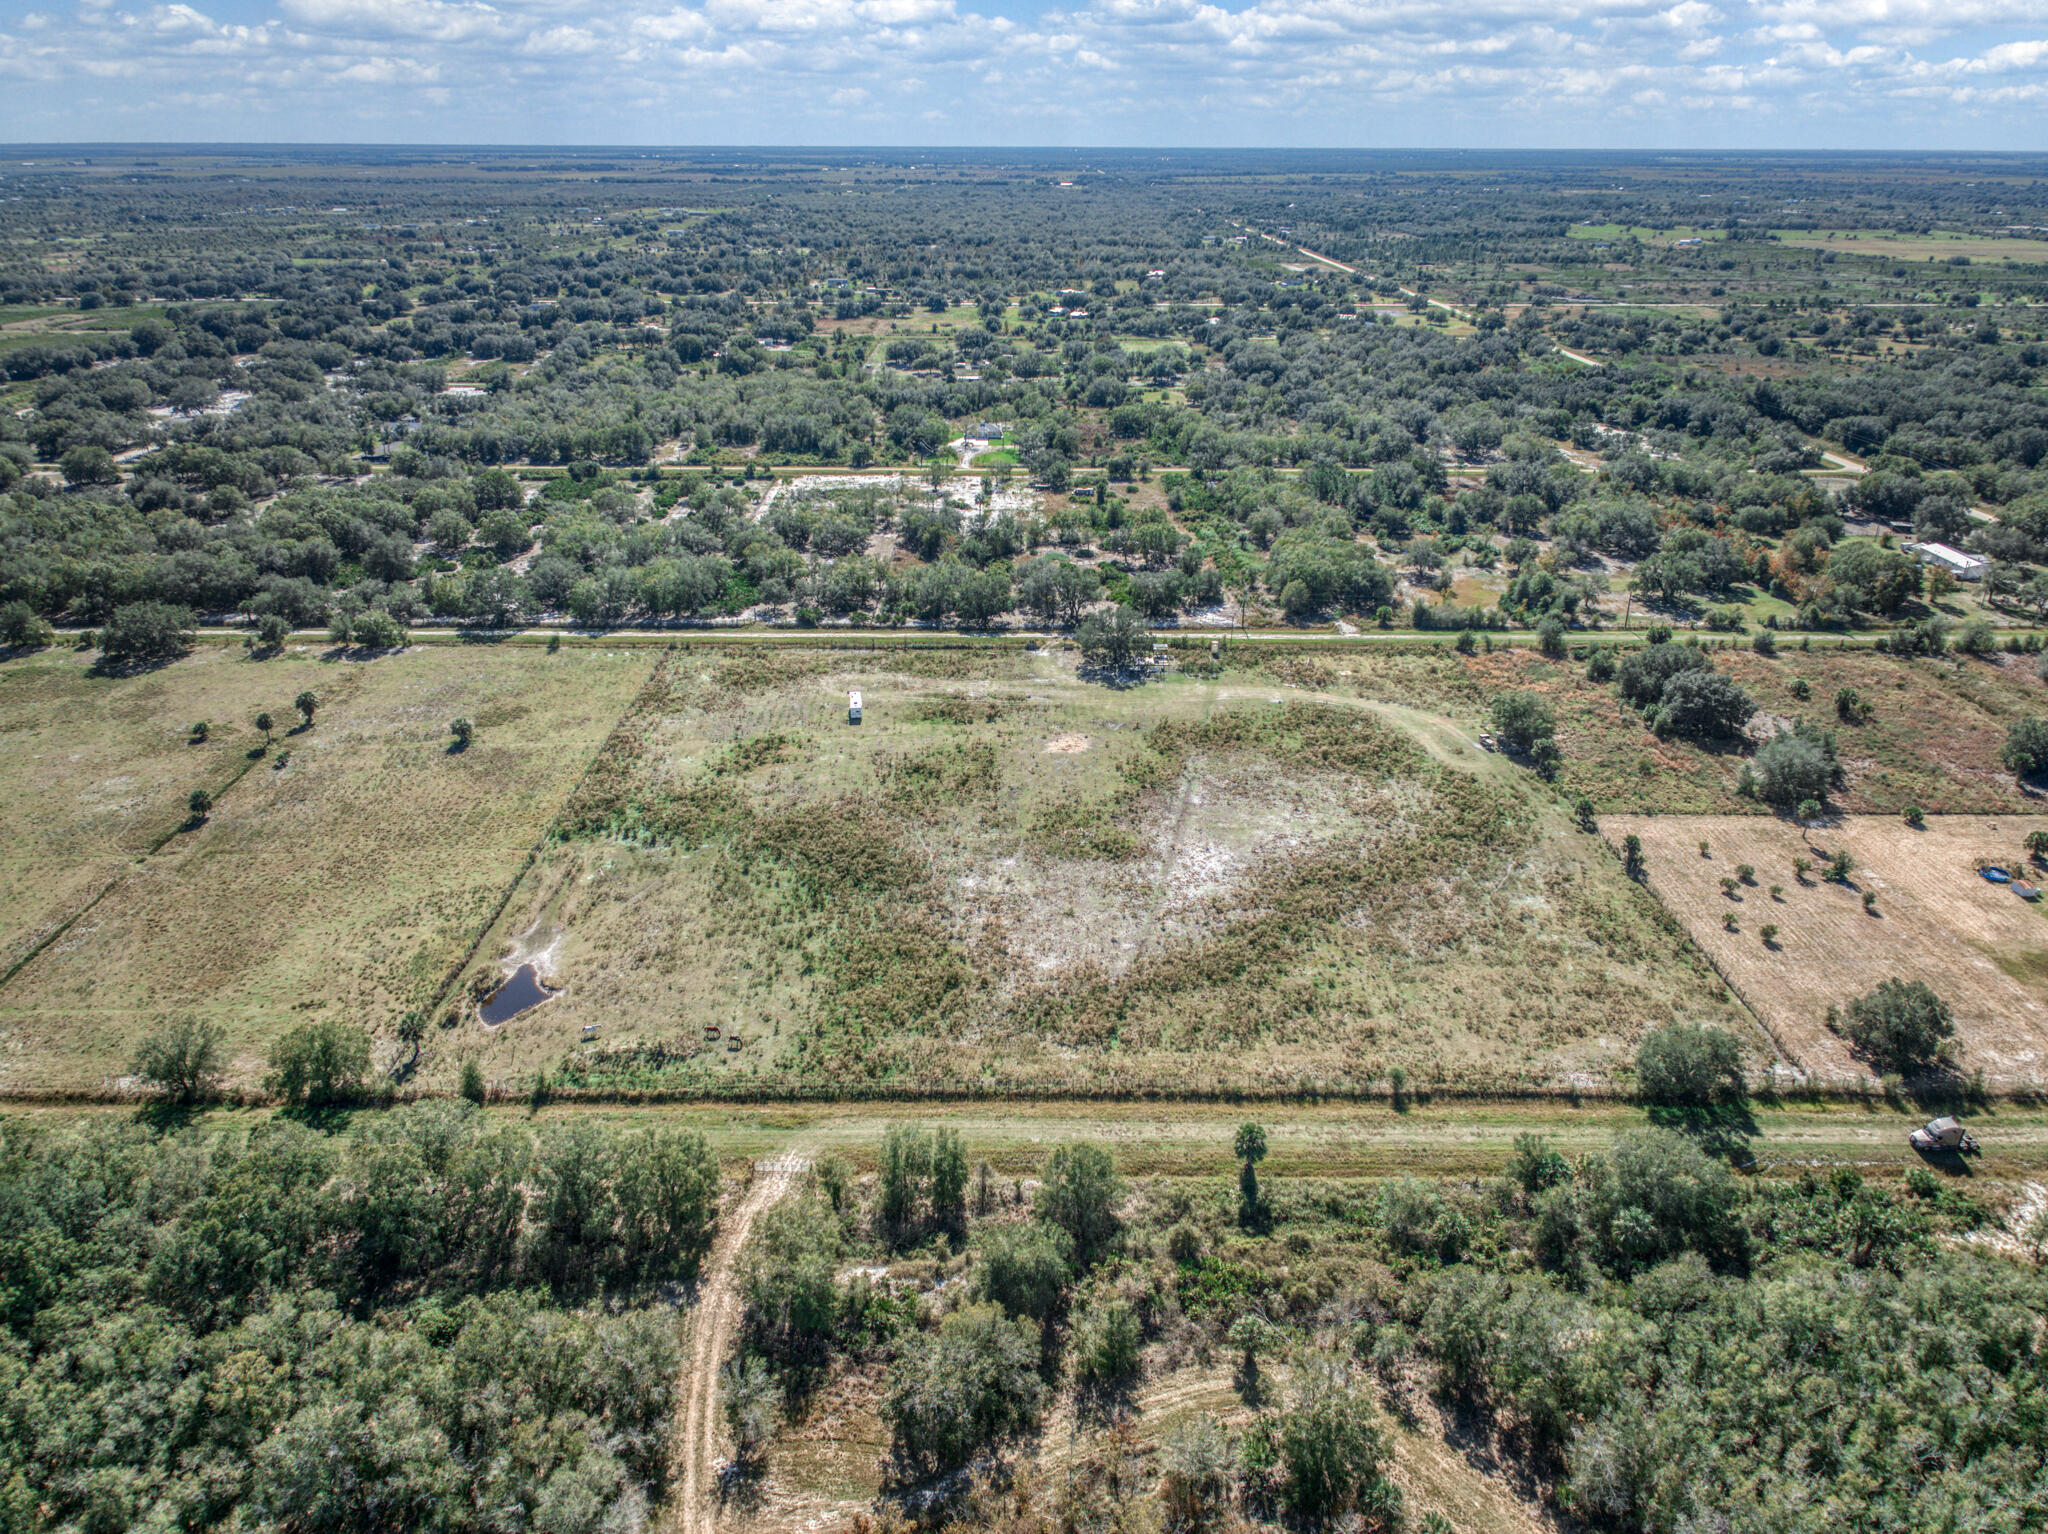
x=1105 y=1404
x=120 y=668
x=743 y=1485
x=1723 y=1130
x=328 y=1118
x=1249 y=1381
x=165 y=1117
x=1120 y=678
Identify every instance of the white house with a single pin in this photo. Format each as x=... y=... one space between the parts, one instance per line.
x=1964 y=567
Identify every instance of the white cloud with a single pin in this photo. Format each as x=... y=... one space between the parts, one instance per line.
x=1619 y=71
x=431 y=19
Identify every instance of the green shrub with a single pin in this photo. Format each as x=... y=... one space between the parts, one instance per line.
x=2026 y=747
x=1107 y=1342
x=1524 y=720
x=965 y=1388
x=1646 y=672
x=1901 y=1026
x=146 y=631
x=319 y=1064
x=1683 y=1065
x=1026 y=1270
x=1333 y=1454
x=1794 y=767
x=182 y=1059
x=21 y=628
x=1079 y=1193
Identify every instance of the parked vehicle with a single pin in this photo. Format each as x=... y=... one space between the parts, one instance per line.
x=1943 y=1134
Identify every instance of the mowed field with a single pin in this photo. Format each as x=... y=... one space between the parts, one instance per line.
x=348 y=880
x=1013 y=879
x=1981 y=947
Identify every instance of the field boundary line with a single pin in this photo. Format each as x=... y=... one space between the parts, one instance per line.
x=490 y=922
x=63 y=927
x=112 y=884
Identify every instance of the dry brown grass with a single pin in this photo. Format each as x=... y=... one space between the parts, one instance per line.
x=346 y=884
x=1932 y=737
x=99 y=768
x=1977 y=944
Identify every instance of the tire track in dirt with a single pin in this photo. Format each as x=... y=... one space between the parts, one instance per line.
x=711 y=1332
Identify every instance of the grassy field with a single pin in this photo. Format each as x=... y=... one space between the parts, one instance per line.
x=1011 y=879
x=1932 y=736
x=347 y=879
x=1295 y=872
x=100 y=769
x=1935 y=245
x=1643 y=232
x=1934 y=919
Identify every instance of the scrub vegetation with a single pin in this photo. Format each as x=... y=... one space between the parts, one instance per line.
x=1009 y=879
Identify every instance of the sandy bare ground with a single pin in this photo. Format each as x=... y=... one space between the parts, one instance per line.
x=1981 y=947
x=693 y=1510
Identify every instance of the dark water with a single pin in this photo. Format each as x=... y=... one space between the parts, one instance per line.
x=516 y=995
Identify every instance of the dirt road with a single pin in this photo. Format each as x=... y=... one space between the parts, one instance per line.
x=694 y=1509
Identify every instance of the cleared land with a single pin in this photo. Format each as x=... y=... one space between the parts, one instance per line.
x=99 y=769
x=1981 y=947
x=1011 y=879
x=827 y=1469
x=1935 y=245
x=349 y=881
x=1294 y=871
x=1932 y=736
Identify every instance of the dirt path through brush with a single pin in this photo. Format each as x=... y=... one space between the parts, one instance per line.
x=694 y=1510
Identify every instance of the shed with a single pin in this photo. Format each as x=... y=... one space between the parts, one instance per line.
x=1964 y=567
x=853 y=708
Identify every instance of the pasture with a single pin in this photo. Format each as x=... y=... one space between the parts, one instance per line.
x=1284 y=872
x=1934 y=245
x=1982 y=948
x=345 y=872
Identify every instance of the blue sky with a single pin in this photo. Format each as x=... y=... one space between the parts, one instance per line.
x=1623 y=74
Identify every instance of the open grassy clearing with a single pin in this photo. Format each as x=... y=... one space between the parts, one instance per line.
x=1935 y=245
x=100 y=768
x=1980 y=946
x=1441 y=1138
x=347 y=882
x=1009 y=879
x=1932 y=738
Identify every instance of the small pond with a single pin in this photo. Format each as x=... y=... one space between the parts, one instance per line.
x=519 y=994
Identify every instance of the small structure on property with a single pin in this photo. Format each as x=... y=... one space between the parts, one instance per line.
x=853 y=708
x=1964 y=567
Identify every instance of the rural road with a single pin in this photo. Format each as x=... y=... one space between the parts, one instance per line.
x=712 y=1327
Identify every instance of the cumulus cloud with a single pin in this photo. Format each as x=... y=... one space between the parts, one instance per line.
x=1624 y=72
